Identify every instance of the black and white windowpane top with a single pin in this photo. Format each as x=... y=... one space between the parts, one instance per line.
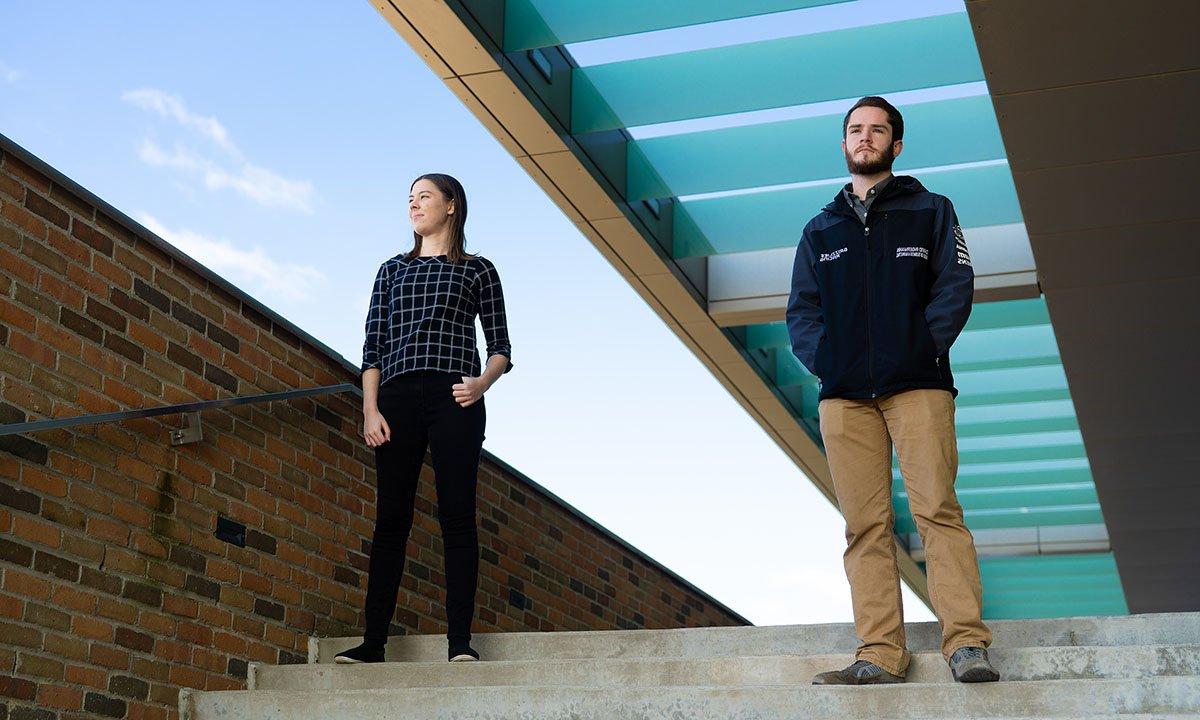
x=422 y=316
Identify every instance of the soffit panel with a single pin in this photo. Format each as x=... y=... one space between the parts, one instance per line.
x=1136 y=121
x=1036 y=40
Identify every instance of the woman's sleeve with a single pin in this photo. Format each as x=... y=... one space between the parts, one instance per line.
x=491 y=313
x=377 y=317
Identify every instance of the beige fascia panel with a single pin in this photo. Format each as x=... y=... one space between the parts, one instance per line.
x=439 y=27
x=556 y=195
x=605 y=250
x=748 y=382
x=485 y=116
x=574 y=180
x=624 y=238
x=714 y=342
x=405 y=30
x=670 y=292
x=746 y=311
x=505 y=100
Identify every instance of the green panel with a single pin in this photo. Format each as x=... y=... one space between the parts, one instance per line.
x=789 y=371
x=1027 y=497
x=982 y=196
x=890 y=57
x=1029 y=472
x=543 y=23
x=1011 y=481
x=1027 y=411
x=767 y=335
x=1011 y=518
x=1049 y=567
x=1015 y=427
x=1012 y=313
x=1009 y=397
x=1010 y=380
x=1031 y=609
x=1001 y=441
x=1051 y=586
x=946 y=132
x=1004 y=347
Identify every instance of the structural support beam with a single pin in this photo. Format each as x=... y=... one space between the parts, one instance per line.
x=752 y=287
x=1113 y=223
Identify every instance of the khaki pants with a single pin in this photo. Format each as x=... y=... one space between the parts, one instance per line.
x=858 y=438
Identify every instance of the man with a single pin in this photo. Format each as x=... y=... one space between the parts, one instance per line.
x=881 y=288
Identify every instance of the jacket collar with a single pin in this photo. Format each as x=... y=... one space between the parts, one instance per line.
x=900 y=185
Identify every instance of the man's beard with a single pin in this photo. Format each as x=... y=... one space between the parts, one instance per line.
x=881 y=164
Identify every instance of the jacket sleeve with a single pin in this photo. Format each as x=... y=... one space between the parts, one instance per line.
x=806 y=324
x=954 y=280
x=377 y=322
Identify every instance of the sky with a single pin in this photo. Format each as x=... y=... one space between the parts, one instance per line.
x=275 y=142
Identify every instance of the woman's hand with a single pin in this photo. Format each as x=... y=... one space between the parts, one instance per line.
x=375 y=429
x=469 y=390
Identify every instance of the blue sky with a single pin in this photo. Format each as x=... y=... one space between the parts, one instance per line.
x=275 y=143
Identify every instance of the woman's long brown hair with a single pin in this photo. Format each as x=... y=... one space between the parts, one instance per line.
x=453 y=191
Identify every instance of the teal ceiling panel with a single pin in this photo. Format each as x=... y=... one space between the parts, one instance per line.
x=983 y=196
x=968 y=480
x=1051 y=586
x=1001 y=348
x=1028 y=411
x=1011 y=313
x=1010 y=380
x=945 y=132
x=984 y=519
x=1025 y=497
x=890 y=57
x=532 y=24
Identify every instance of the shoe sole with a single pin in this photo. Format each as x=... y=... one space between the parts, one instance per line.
x=978 y=675
x=900 y=681
x=340 y=660
x=464 y=658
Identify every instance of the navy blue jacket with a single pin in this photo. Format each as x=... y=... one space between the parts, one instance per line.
x=875 y=306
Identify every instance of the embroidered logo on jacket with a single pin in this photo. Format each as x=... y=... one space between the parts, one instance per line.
x=830 y=256
x=960 y=247
x=917 y=252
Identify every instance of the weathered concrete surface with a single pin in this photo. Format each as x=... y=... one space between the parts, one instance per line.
x=1158 y=629
x=1013 y=663
x=1049 y=699
x=1140 y=666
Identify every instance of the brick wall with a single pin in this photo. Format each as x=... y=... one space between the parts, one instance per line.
x=115 y=590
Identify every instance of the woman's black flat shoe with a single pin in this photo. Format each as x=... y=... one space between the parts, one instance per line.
x=362 y=654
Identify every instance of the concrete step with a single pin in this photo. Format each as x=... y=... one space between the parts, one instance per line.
x=1150 y=629
x=1043 y=699
x=1014 y=664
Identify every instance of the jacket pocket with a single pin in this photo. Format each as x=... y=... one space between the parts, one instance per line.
x=924 y=361
x=821 y=358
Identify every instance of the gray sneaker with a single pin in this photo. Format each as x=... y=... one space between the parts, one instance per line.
x=860 y=672
x=971 y=665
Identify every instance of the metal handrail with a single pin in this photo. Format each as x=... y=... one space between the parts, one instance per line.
x=28 y=427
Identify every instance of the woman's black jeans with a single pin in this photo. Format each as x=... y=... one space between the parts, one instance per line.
x=421 y=412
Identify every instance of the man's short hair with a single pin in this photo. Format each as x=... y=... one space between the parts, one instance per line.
x=895 y=119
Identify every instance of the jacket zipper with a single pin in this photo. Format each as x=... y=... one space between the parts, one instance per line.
x=870 y=353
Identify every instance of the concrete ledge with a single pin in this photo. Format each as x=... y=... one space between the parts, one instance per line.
x=1057 y=663
x=1157 y=629
x=1057 y=699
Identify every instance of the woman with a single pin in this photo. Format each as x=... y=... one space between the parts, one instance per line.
x=423 y=387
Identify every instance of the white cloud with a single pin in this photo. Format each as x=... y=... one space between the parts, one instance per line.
x=9 y=74
x=253 y=270
x=172 y=106
x=256 y=183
